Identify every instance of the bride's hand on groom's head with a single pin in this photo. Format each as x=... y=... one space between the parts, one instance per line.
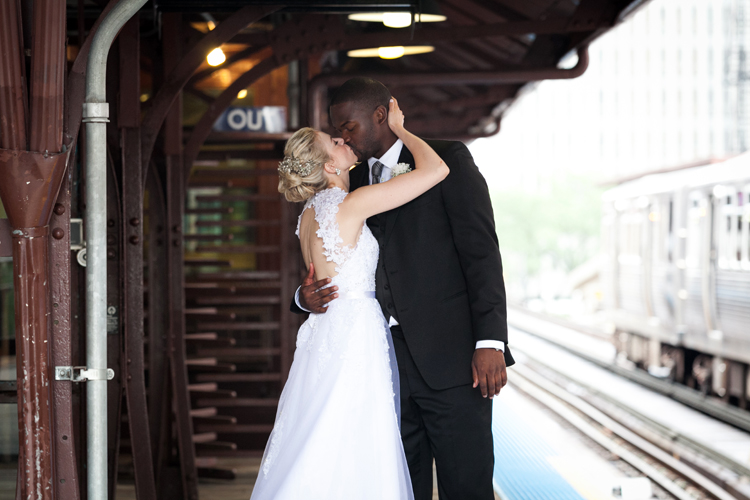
x=312 y=295
x=395 y=116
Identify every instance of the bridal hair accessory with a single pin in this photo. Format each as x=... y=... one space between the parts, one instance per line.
x=400 y=168
x=292 y=165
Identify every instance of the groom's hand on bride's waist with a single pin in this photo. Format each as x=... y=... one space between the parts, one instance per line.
x=312 y=296
x=488 y=369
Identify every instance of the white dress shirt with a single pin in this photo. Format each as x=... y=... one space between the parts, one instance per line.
x=389 y=160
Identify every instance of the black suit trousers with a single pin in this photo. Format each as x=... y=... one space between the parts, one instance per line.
x=452 y=426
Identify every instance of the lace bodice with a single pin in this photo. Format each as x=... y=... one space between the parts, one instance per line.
x=356 y=264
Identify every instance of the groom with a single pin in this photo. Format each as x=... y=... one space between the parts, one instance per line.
x=440 y=284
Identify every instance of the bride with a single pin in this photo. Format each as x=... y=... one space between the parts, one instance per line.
x=336 y=434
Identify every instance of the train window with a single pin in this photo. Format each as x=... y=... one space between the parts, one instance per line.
x=696 y=213
x=728 y=227
x=743 y=224
x=631 y=227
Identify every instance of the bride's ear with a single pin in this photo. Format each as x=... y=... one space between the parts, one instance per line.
x=330 y=168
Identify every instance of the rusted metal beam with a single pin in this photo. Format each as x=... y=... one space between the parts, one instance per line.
x=491 y=97
x=13 y=105
x=29 y=185
x=67 y=483
x=6 y=247
x=185 y=69
x=132 y=237
x=160 y=407
x=321 y=83
x=176 y=296
x=48 y=65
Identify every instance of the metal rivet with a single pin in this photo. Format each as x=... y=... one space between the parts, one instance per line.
x=58 y=233
x=65 y=438
x=135 y=221
x=134 y=240
x=59 y=209
x=111 y=223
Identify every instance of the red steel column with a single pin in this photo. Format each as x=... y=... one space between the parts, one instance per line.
x=175 y=211
x=12 y=89
x=48 y=63
x=29 y=184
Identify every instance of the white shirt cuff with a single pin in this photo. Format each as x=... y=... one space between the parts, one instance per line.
x=296 y=300
x=497 y=345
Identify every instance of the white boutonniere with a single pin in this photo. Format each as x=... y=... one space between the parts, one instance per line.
x=400 y=168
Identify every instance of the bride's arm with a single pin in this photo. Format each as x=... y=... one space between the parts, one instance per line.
x=429 y=170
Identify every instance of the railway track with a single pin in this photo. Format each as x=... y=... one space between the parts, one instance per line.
x=679 y=466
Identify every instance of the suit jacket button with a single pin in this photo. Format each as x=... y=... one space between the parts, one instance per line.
x=387 y=287
x=390 y=306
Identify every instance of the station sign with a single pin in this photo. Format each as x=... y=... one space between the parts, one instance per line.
x=268 y=119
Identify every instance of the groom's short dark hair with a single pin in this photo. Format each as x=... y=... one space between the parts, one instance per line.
x=366 y=92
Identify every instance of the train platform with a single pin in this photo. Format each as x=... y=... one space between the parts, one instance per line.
x=683 y=423
x=537 y=457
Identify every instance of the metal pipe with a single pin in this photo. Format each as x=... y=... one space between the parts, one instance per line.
x=321 y=83
x=96 y=116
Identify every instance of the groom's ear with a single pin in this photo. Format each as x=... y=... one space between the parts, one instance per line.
x=380 y=116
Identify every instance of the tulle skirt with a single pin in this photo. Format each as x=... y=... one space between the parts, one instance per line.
x=336 y=434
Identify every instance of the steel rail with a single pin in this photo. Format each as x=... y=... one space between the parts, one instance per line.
x=560 y=401
x=690 y=397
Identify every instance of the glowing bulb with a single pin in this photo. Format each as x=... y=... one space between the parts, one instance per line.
x=242 y=94
x=390 y=52
x=144 y=97
x=216 y=57
x=397 y=19
x=211 y=25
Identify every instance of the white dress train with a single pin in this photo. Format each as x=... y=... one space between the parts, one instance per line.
x=336 y=434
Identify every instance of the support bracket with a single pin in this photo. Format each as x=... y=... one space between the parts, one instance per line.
x=82 y=374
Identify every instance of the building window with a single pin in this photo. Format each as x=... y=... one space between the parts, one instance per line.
x=695 y=62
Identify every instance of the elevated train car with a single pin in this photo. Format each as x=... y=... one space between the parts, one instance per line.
x=676 y=275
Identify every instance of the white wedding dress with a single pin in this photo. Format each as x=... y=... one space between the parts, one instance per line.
x=336 y=434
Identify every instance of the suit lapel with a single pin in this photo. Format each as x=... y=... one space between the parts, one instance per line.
x=392 y=215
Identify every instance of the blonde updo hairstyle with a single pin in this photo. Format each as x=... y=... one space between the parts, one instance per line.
x=304 y=146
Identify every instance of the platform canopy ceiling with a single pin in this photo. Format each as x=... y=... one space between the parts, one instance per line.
x=483 y=53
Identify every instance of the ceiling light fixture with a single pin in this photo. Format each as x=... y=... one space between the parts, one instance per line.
x=391 y=52
x=396 y=19
x=216 y=57
x=242 y=94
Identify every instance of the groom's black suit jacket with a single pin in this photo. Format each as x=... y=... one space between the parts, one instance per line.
x=440 y=273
